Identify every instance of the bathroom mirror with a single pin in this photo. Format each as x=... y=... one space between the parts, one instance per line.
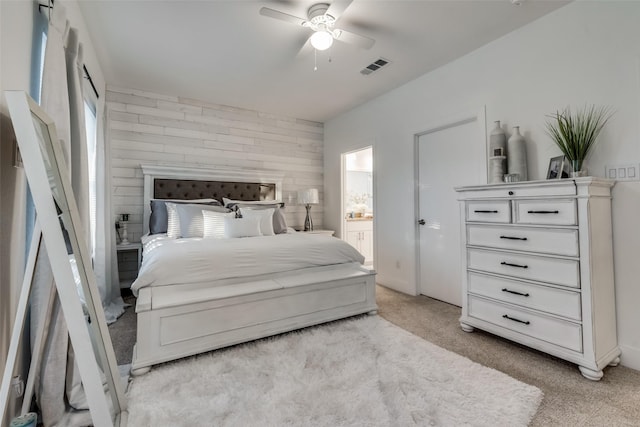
x=62 y=232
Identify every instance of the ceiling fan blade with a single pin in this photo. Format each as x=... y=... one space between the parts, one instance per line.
x=355 y=39
x=337 y=8
x=305 y=50
x=271 y=13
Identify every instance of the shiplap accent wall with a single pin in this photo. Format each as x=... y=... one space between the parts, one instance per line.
x=150 y=128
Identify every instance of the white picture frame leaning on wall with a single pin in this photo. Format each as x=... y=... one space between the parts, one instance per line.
x=60 y=225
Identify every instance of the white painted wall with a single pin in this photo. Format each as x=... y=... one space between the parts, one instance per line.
x=150 y=128
x=16 y=37
x=584 y=53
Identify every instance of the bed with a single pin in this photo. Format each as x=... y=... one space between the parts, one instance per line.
x=285 y=281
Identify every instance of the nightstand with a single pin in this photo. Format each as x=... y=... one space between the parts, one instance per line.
x=327 y=232
x=129 y=260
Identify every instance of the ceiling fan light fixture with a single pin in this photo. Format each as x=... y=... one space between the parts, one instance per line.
x=321 y=40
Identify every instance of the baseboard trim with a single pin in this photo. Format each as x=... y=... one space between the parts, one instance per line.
x=395 y=284
x=630 y=357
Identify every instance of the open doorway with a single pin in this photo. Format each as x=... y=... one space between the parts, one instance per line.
x=357 y=201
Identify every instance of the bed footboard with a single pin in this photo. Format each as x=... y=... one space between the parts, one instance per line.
x=174 y=323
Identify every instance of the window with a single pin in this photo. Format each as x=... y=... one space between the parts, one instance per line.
x=41 y=25
x=43 y=44
x=91 y=125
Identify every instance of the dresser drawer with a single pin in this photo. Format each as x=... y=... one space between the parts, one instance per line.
x=544 y=298
x=558 y=271
x=552 y=241
x=555 y=331
x=489 y=211
x=540 y=189
x=552 y=212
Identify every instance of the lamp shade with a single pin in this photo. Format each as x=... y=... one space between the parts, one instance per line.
x=321 y=40
x=308 y=197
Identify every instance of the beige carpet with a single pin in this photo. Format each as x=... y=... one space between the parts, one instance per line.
x=569 y=399
x=123 y=332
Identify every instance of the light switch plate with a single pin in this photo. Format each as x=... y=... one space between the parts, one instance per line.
x=623 y=172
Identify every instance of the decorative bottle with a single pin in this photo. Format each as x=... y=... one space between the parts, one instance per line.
x=497 y=154
x=517 y=154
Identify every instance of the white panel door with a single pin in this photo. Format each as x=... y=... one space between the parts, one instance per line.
x=449 y=157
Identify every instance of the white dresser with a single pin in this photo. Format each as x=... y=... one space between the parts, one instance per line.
x=538 y=267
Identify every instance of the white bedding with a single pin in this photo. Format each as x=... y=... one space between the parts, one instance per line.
x=194 y=260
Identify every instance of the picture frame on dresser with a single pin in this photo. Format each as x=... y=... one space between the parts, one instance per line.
x=559 y=168
x=554 y=171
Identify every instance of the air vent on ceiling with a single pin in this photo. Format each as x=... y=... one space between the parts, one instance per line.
x=374 y=66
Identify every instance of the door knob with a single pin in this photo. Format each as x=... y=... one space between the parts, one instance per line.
x=421 y=222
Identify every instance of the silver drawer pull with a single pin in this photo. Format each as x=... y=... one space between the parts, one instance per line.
x=526 y=322
x=543 y=212
x=514 y=265
x=513 y=238
x=514 y=292
x=485 y=211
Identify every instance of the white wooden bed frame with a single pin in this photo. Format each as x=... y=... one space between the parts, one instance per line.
x=182 y=320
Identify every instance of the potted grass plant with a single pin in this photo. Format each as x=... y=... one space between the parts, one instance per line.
x=577 y=133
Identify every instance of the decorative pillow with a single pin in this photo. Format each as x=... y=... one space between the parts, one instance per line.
x=214 y=223
x=241 y=227
x=264 y=215
x=279 y=221
x=173 y=221
x=187 y=220
x=159 y=218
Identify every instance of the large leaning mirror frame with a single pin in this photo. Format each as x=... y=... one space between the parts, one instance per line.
x=61 y=231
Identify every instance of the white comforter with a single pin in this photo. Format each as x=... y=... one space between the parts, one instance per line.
x=178 y=261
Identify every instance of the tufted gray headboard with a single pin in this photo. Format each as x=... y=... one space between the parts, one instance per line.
x=186 y=182
x=187 y=189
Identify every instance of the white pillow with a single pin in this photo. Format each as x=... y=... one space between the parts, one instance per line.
x=241 y=227
x=214 y=223
x=173 y=221
x=265 y=216
x=186 y=220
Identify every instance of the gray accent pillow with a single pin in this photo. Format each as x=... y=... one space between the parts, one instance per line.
x=192 y=220
x=158 y=219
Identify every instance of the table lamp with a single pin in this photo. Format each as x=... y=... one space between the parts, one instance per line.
x=307 y=198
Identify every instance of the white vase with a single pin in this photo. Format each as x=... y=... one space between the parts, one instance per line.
x=517 y=154
x=497 y=149
x=496 y=169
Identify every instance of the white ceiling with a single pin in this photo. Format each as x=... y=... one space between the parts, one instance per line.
x=225 y=52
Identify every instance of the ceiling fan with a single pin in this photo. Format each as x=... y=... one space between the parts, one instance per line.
x=321 y=19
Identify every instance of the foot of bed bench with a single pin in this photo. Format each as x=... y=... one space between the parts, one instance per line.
x=372 y=312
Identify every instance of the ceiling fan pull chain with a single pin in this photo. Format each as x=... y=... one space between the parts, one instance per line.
x=315 y=60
